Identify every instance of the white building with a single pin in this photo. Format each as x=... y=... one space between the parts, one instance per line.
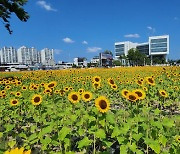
x=156 y=46
x=47 y=57
x=28 y=56
x=8 y=55
x=95 y=60
x=159 y=46
x=80 y=62
x=122 y=48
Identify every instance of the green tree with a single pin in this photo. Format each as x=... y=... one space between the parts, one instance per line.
x=108 y=52
x=117 y=63
x=136 y=58
x=7 y=7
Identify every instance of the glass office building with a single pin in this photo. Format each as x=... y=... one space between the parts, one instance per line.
x=157 y=46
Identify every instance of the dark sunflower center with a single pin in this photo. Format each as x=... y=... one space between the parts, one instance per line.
x=14 y=102
x=125 y=92
x=139 y=93
x=87 y=96
x=111 y=82
x=51 y=85
x=36 y=99
x=24 y=87
x=114 y=86
x=150 y=80
x=74 y=97
x=139 y=82
x=96 y=85
x=103 y=104
x=132 y=97
x=47 y=90
x=18 y=93
x=97 y=79
x=163 y=93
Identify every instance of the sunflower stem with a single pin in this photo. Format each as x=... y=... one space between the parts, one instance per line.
x=94 y=141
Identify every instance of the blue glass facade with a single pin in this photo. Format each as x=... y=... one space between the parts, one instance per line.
x=158 y=45
x=119 y=49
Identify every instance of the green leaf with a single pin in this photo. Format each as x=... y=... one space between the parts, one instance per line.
x=11 y=143
x=9 y=127
x=137 y=136
x=63 y=132
x=73 y=118
x=132 y=146
x=46 y=141
x=84 y=142
x=1 y=134
x=32 y=137
x=115 y=132
x=34 y=141
x=123 y=149
x=110 y=118
x=45 y=130
x=153 y=144
x=121 y=140
x=67 y=143
x=100 y=134
x=163 y=140
x=91 y=118
x=167 y=122
x=157 y=111
x=102 y=122
x=23 y=135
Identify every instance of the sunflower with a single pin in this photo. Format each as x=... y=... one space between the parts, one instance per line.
x=96 y=79
x=163 y=93
x=102 y=104
x=8 y=87
x=36 y=99
x=131 y=96
x=96 y=85
x=141 y=94
x=52 y=84
x=17 y=151
x=145 y=88
x=124 y=92
x=56 y=91
x=80 y=91
x=110 y=81
x=61 y=92
x=47 y=90
x=150 y=81
x=14 y=102
x=74 y=97
x=66 y=89
x=23 y=87
x=177 y=138
x=86 y=96
x=139 y=82
x=18 y=94
x=114 y=87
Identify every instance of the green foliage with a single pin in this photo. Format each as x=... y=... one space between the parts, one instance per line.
x=7 y=7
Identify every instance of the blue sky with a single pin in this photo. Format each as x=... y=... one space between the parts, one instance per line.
x=83 y=28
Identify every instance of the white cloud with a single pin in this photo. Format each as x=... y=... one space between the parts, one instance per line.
x=68 y=40
x=151 y=29
x=46 y=6
x=132 y=35
x=84 y=42
x=93 y=49
x=57 y=51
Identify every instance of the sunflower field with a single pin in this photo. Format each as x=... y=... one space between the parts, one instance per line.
x=100 y=111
